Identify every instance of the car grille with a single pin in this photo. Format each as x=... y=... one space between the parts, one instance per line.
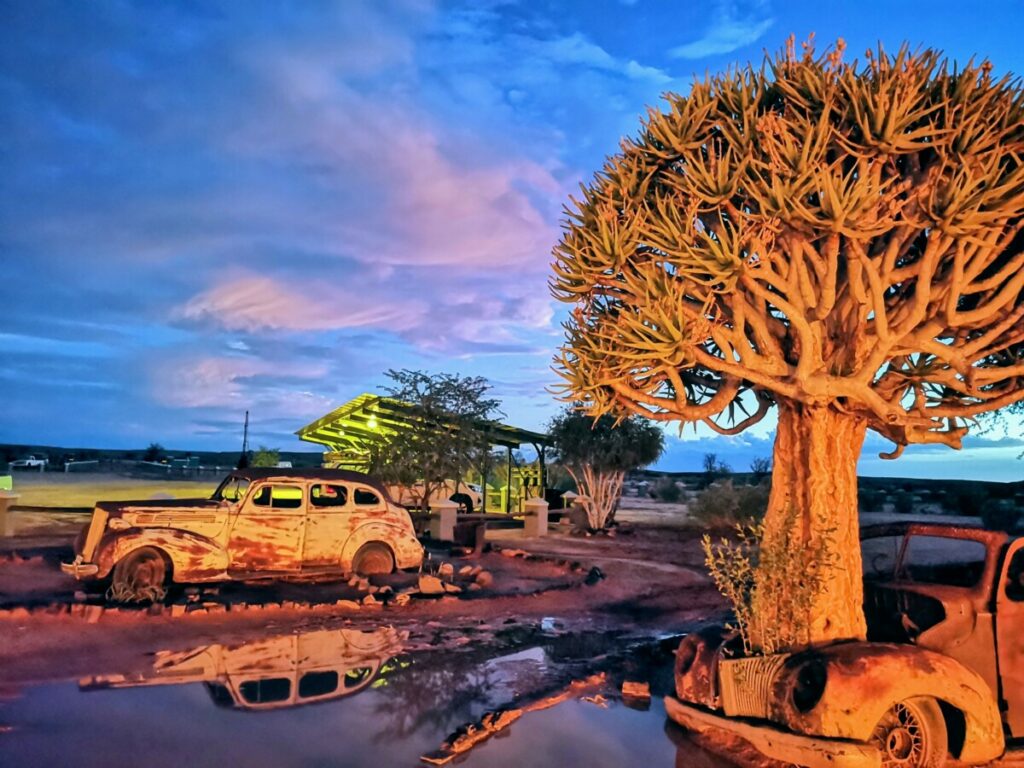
x=745 y=684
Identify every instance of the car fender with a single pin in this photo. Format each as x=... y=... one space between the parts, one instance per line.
x=193 y=557
x=864 y=680
x=400 y=541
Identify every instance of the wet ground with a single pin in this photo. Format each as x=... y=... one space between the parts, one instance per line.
x=367 y=696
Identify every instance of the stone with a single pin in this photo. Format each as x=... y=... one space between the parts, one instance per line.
x=452 y=589
x=636 y=690
x=370 y=601
x=400 y=599
x=93 y=613
x=348 y=604
x=446 y=570
x=474 y=587
x=485 y=578
x=465 y=570
x=430 y=585
x=178 y=610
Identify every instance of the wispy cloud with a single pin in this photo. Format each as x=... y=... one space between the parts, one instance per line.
x=734 y=24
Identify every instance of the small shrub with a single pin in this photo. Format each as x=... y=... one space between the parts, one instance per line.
x=771 y=589
x=725 y=505
x=903 y=503
x=870 y=499
x=1000 y=516
x=970 y=501
x=667 y=490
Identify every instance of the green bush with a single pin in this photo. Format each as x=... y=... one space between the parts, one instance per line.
x=726 y=505
x=667 y=490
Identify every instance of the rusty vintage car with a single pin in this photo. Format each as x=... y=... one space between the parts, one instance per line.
x=272 y=673
x=942 y=672
x=259 y=523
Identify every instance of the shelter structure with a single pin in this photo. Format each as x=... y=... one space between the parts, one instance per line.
x=350 y=430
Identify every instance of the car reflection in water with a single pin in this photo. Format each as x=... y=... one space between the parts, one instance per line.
x=273 y=673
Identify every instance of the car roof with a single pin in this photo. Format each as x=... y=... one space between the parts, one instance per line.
x=311 y=473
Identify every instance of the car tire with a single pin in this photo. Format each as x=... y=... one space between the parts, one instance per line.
x=465 y=502
x=139 y=577
x=373 y=559
x=912 y=734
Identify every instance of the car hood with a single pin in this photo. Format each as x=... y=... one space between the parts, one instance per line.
x=115 y=508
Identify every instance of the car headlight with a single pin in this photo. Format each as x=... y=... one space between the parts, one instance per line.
x=809 y=684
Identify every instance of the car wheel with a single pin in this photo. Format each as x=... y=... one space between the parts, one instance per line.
x=139 y=577
x=912 y=734
x=373 y=559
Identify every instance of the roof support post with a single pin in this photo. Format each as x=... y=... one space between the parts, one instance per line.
x=508 y=482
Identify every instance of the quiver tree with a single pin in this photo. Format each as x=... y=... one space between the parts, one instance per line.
x=839 y=242
x=597 y=454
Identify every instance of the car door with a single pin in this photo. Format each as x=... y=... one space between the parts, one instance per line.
x=268 y=529
x=327 y=524
x=1010 y=636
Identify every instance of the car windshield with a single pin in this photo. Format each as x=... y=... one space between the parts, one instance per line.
x=231 y=489
x=949 y=560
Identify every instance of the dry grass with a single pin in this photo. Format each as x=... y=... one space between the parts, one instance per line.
x=51 y=489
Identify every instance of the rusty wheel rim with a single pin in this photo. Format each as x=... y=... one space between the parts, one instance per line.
x=374 y=561
x=902 y=738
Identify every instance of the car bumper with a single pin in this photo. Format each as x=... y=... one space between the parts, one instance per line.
x=811 y=751
x=80 y=570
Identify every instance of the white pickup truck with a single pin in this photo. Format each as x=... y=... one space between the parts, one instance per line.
x=30 y=462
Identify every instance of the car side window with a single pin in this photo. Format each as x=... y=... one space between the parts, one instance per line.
x=1015 y=577
x=317 y=684
x=323 y=495
x=266 y=691
x=364 y=497
x=278 y=497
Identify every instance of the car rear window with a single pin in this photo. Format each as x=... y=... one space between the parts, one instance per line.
x=949 y=560
x=266 y=691
x=366 y=497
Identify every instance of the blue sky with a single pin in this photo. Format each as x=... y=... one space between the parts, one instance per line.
x=213 y=206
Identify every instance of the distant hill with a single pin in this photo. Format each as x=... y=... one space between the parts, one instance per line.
x=57 y=455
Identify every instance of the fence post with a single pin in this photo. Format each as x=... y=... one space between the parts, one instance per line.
x=442 y=520
x=7 y=500
x=535 y=520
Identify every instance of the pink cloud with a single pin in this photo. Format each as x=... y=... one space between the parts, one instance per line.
x=254 y=303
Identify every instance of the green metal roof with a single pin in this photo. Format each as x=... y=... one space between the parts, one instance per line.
x=352 y=427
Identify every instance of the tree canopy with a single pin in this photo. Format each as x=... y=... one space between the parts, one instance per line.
x=812 y=231
x=441 y=439
x=604 y=444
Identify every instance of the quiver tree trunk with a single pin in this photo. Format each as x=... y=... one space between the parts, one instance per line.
x=812 y=524
x=601 y=489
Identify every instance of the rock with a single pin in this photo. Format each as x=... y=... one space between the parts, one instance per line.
x=593 y=576
x=484 y=578
x=370 y=601
x=636 y=690
x=430 y=585
x=452 y=589
x=474 y=587
x=349 y=604
x=93 y=613
x=401 y=599
x=465 y=570
x=353 y=580
x=514 y=553
x=177 y=610
x=446 y=570
x=475 y=570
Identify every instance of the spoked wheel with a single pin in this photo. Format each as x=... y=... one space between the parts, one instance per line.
x=912 y=735
x=373 y=559
x=139 y=577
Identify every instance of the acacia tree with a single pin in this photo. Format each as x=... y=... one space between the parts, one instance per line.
x=841 y=242
x=441 y=438
x=597 y=454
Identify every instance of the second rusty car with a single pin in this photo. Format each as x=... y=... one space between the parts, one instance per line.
x=259 y=523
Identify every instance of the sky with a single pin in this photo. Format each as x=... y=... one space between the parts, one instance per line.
x=212 y=206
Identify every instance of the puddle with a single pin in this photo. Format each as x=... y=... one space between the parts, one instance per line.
x=336 y=697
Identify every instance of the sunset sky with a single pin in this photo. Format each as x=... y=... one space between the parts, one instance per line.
x=213 y=206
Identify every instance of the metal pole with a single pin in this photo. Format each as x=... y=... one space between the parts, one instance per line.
x=508 y=481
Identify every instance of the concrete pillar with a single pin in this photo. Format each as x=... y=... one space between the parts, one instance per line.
x=7 y=501
x=535 y=518
x=442 y=520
